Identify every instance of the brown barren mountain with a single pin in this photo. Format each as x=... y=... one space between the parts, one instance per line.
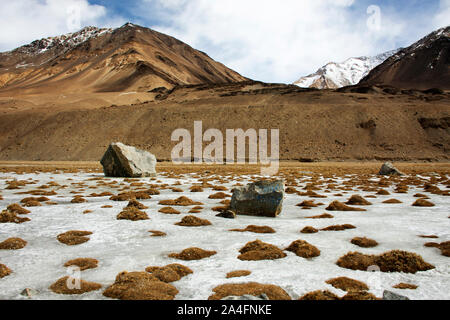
x=103 y=86
x=423 y=65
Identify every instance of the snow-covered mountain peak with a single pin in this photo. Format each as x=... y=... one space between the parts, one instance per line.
x=350 y=72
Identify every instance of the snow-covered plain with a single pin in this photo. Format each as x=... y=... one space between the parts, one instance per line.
x=125 y=245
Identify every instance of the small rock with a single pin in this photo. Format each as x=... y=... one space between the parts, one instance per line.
x=28 y=292
x=389 y=169
x=262 y=199
x=247 y=297
x=128 y=162
x=227 y=214
x=389 y=295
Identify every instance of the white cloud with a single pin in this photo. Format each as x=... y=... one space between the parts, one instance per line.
x=442 y=19
x=23 y=21
x=274 y=41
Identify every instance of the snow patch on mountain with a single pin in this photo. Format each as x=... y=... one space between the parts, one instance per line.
x=338 y=75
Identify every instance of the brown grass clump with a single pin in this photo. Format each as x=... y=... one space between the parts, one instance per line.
x=78 y=199
x=347 y=284
x=181 y=201
x=339 y=227
x=359 y=295
x=192 y=254
x=392 y=201
x=307 y=204
x=136 y=204
x=303 y=249
x=140 y=286
x=4 y=271
x=128 y=196
x=322 y=216
x=13 y=244
x=252 y=288
x=219 y=195
x=196 y=189
x=156 y=233
x=364 y=242
x=339 y=206
x=192 y=221
x=7 y=216
x=75 y=237
x=16 y=208
x=258 y=250
x=420 y=195
x=319 y=295
x=423 y=203
x=445 y=248
x=31 y=203
x=358 y=200
x=60 y=286
x=309 y=229
x=383 y=192
x=133 y=214
x=82 y=263
x=255 y=229
x=392 y=261
x=170 y=273
x=405 y=286
x=169 y=210
x=238 y=274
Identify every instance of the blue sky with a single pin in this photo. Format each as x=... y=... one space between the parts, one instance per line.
x=273 y=41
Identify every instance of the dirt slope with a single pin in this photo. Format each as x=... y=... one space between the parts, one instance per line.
x=314 y=125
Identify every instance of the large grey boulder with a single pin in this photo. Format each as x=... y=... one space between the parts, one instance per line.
x=263 y=198
x=389 y=169
x=247 y=297
x=125 y=161
x=389 y=295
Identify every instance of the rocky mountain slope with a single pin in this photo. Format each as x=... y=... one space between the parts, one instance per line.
x=338 y=75
x=129 y=58
x=423 y=65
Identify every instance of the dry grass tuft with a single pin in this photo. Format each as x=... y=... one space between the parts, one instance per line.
x=251 y=288
x=219 y=195
x=192 y=221
x=75 y=237
x=169 y=210
x=339 y=206
x=78 y=199
x=192 y=254
x=60 y=286
x=392 y=261
x=133 y=214
x=322 y=216
x=258 y=250
x=339 y=227
x=309 y=229
x=347 y=284
x=7 y=216
x=13 y=244
x=4 y=271
x=82 y=263
x=423 y=203
x=169 y=273
x=181 y=201
x=238 y=274
x=359 y=295
x=303 y=249
x=16 y=208
x=255 y=229
x=405 y=286
x=140 y=286
x=136 y=204
x=364 y=242
x=392 y=201
x=156 y=233
x=358 y=200
x=319 y=295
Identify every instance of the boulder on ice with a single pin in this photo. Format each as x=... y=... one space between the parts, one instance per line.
x=128 y=162
x=262 y=198
x=389 y=169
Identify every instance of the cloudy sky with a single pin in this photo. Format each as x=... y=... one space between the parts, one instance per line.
x=273 y=41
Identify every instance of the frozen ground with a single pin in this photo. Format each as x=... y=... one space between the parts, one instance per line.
x=126 y=245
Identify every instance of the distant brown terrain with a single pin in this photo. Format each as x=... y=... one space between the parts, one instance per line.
x=314 y=125
x=67 y=99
